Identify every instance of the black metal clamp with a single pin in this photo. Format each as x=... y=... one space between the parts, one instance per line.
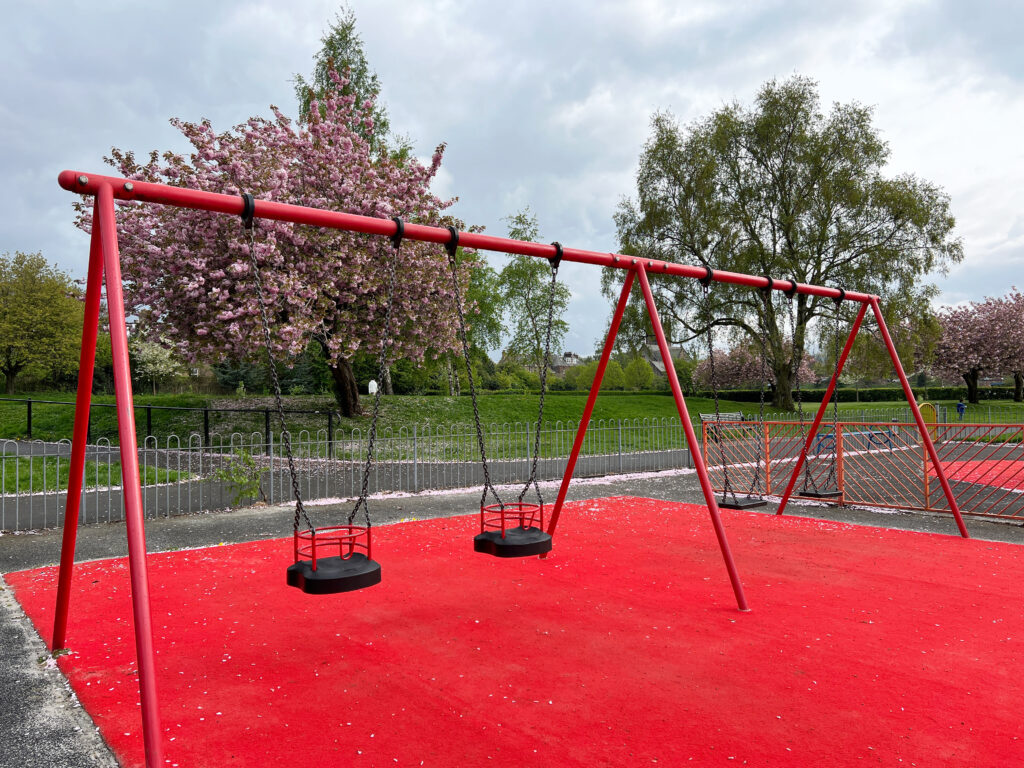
x=791 y=291
x=557 y=258
x=396 y=239
x=840 y=298
x=708 y=276
x=248 y=209
x=452 y=243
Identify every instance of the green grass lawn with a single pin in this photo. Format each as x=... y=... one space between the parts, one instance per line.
x=54 y=422
x=47 y=473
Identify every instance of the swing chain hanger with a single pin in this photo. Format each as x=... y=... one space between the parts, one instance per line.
x=180 y=197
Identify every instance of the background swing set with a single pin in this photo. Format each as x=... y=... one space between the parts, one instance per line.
x=104 y=267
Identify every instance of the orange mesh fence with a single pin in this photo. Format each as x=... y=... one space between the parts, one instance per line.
x=877 y=464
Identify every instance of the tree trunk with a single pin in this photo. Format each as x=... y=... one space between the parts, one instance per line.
x=388 y=388
x=453 y=377
x=1018 y=386
x=9 y=383
x=782 y=393
x=346 y=392
x=971 y=377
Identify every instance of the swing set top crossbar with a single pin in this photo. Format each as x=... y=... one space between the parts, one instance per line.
x=180 y=197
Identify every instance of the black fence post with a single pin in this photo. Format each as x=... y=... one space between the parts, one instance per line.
x=330 y=434
x=149 y=421
x=88 y=425
x=206 y=426
x=266 y=428
x=28 y=409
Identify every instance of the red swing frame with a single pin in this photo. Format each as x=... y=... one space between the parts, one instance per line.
x=104 y=266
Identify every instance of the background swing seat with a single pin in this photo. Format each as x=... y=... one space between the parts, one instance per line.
x=835 y=494
x=317 y=572
x=515 y=529
x=742 y=502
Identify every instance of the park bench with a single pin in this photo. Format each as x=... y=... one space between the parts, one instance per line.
x=883 y=438
x=731 y=416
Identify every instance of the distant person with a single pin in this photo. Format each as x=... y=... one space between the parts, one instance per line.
x=961 y=409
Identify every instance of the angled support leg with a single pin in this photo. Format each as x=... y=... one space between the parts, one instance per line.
x=926 y=438
x=595 y=387
x=691 y=441
x=86 y=364
x=132 y=490
x=822 y=408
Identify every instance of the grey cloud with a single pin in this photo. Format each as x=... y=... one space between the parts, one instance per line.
x=541 y=103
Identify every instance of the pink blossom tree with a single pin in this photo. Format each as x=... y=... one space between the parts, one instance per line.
x=188 y=276
x=740 y=367
x=969 y=345
x=1006 y=317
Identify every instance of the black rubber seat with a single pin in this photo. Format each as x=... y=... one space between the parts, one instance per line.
x=742 y=502
x=351 y=569
x=517 y=542
x=512 y=529
x=835 y=494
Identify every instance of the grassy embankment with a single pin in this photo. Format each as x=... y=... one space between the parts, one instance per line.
x=54 y=422
x=50 y=473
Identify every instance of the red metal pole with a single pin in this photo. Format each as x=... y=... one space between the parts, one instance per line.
x=912 y=402
x=822 y=408
x=588 y=409
x=86 y=364
x=130 y=482
x=125 y=189
x=691 y=441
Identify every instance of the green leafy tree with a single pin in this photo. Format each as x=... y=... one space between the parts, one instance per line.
x=686 y=370
x=154 y=362
x=342 y=53
x=40 y=318
x=614 y=376
x=524 y=286
x=638 y=374
x=781 y=189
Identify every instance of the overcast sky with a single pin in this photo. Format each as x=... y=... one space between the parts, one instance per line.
x=545 y=104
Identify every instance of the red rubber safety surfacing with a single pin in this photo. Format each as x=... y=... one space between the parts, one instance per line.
x=623 y=648
x=999 y=473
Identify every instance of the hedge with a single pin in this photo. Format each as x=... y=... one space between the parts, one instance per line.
x=870 y=394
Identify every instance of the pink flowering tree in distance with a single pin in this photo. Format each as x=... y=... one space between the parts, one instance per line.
x=740 y=367
x=188 y=276
x=970 y=344
x=1007 y=318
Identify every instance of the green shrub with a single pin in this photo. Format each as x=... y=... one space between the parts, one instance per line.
x=242 y=475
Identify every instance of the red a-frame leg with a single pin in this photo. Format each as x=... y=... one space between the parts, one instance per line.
x=588 y=409
x=826 y=398
x=912 y=402
x=691 y=441
x=104 y=259
x=86 y=363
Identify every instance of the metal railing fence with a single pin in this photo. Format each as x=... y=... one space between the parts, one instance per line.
x=878 y=464
x=31 y=416
x=193 y=475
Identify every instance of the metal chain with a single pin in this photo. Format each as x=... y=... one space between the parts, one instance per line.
x=543 y=388
x=726 y=487
x=798 y=361
x=755 y=482
x=832 y=477
x=286 y=439
x=472 y=385
x=382 y=362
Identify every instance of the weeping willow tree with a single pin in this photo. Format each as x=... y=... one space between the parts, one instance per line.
x=779 y=188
